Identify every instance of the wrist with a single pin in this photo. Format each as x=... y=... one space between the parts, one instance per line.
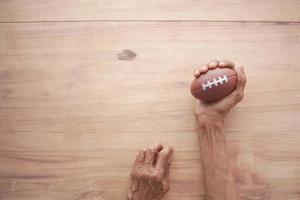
x=210 y=118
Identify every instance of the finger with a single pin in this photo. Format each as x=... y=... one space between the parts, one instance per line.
x=167 y=173
x=203 y=69
x=164 y=158
x=151 y=154
x=213 y=64
x=158 y=147
x=140 y=158
x=226 y=63
x=165 y=180
x=197 y=73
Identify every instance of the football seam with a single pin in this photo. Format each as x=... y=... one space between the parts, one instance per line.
x=230 y=77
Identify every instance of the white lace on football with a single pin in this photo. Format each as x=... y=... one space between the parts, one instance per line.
x=214 y=82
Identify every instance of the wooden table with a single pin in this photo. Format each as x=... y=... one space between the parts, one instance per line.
x=73 y=115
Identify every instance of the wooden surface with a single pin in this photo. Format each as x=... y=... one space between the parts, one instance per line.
x=73 y=116
x=70 y=10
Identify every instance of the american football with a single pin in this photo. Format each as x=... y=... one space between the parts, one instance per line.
x=214 y=84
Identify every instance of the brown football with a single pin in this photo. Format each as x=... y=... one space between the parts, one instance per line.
x=214 y=84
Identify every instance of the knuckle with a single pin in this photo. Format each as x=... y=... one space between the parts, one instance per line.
x=163 y=155
x=158 y=175
x=144 y=176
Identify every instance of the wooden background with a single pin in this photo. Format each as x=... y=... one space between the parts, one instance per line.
x=73 y=116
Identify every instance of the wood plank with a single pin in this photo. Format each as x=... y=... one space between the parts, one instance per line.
x=226 y=10
x=73 y=116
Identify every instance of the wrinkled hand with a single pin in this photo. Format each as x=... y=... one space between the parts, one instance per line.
x=149 y=179
x=218 y=109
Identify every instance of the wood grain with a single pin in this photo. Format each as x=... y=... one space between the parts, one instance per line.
x=73 y=116
x=78 y=10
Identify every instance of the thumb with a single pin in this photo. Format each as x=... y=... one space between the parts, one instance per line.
x=242 y=79
x=236 y=96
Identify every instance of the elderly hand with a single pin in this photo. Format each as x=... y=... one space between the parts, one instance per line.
x=218 y=109
x=149 y=179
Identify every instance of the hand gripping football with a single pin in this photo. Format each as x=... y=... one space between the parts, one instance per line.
x=214 y=84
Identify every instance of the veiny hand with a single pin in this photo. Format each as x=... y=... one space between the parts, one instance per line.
x=218 y=109
x=149 y=179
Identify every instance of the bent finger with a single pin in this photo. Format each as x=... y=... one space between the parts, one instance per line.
x=140 y=158
x=158 y=146
x=151 y=154
x=213 y=64
x=226 y=63
x=203 y=69
x=197 y=73
x=149 y=158
x=164 y=158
